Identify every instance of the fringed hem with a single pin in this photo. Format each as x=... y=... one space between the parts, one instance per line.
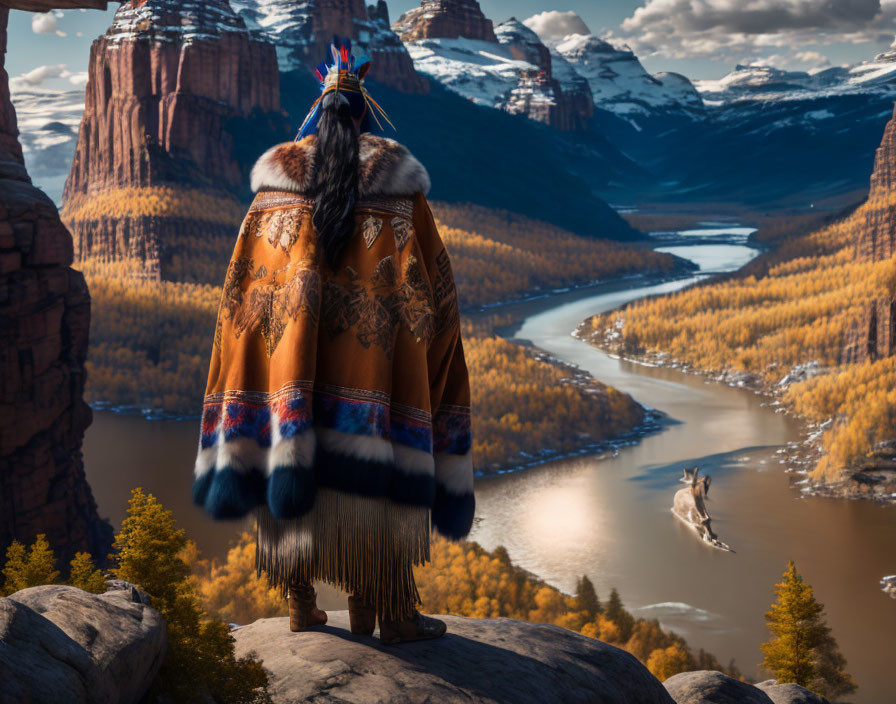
x=365 y=546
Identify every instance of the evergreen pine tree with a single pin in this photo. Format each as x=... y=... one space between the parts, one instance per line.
x=586 y=597
x=802 y=650
x=618 y=615
x=614 y=605
x=84 y=574
x=150 y=553
x=29 y=567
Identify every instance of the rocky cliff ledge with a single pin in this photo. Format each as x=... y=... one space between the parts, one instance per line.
x=179 y=94
x=54 y=639
x=44 y=320
x=61 y=644
x=480 y=660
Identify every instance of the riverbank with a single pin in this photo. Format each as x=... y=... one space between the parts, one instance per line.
x=874 y=480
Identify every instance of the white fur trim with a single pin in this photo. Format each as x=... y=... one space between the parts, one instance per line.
x=455 y=472
x=290 y=452
x=242 y=454
x=362 y=447
x=366 y=148
x=205 y=461
x=409 y=177
x=268 y=173
x=413 y=461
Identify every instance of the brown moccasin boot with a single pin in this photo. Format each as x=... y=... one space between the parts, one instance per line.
x=361 y=616
x=418 y=627
x=303 y=611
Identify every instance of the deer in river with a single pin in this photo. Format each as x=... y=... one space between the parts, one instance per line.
x=690 y=504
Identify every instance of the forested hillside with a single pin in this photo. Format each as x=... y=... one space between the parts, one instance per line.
x=151 y=340
x=800 y=307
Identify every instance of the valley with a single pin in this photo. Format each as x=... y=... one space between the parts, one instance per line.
x=563 y=518
x=717 y=237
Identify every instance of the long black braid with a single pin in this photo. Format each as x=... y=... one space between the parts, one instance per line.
x=337 y=163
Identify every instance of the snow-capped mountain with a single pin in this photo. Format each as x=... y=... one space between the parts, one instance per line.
x=481 y=71
x=769 y=136
x=769 y=83
x=489 y=73
x=514 y=73
x=186 y=21
x=48 y=126
x=620 y=84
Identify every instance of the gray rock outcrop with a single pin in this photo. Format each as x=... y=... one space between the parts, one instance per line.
x=707 y=687
x=789 y=693
x=480 y=660
x=61 y=644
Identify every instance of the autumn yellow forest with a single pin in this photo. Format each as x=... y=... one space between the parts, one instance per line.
x=793 y=306
x=151 y=340
x=464 y=579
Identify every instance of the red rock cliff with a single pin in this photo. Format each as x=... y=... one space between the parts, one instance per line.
x=446 y=19
x=45 y=313
x=179 y=94
x=874 y=335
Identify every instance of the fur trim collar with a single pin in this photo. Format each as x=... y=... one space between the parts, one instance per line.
x=387 y=168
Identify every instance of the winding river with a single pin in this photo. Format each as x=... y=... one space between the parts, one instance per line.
x=610 y=518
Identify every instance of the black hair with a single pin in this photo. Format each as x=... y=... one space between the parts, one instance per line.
x=336 y=190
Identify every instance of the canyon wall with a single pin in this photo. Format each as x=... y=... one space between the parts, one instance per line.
x=445 y=19
x=179 y=94
x=45 y=314
x=873 y=336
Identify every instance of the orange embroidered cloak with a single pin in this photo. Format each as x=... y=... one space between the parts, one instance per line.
x=338 y=402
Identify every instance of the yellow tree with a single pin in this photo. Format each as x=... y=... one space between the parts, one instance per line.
x=29 y=567
x=665 y=662
x=802 y=649
x=85 y=575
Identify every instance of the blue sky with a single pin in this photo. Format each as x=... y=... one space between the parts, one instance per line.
x=699 y=38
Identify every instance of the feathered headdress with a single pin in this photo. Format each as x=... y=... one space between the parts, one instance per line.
x=341 y=72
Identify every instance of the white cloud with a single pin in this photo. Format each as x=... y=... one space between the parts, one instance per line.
x=36 y=77
x=814 y=59
x=45 y=23
x=801 y=61
x=740 y=29
x=552 y=26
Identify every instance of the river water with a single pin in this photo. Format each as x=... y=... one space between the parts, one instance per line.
x=610 y=518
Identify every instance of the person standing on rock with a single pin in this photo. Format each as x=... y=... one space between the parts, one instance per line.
x=338 y=400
